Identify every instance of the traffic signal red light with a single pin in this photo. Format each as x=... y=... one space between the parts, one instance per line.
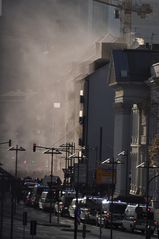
x=10 y=142
x=34 y=147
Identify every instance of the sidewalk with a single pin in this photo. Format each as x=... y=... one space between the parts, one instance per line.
x=41 y=217
x=45 y=230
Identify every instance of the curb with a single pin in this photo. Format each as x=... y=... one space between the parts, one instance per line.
x=72 y=230
x=53 y=225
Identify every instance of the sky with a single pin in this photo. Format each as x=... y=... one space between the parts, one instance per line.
x=42 y=43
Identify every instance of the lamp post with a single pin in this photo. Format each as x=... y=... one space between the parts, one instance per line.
x=51 y=151
x=13 y=199
x=148 y=180
x=68 y=148
x=9 y=142
x=125 y=153
x=113 y=162
x=77 y=191
x=16 y=149
x=89 y=152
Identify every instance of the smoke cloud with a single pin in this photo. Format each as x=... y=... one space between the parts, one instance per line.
x=41 y=40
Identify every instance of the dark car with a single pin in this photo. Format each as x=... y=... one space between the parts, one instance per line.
x=112 y=212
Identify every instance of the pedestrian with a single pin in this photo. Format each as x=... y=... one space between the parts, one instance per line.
x=78 y=214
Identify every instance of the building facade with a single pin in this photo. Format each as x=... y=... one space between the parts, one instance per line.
x=133 y=127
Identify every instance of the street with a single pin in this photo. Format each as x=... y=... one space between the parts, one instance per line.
x=62 y=230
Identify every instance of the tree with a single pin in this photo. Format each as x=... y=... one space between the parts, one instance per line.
x=154 y=150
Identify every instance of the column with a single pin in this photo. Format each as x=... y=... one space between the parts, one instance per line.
x=122 y=130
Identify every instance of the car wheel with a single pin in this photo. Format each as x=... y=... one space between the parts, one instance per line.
x=131 y=228
x=152 y=231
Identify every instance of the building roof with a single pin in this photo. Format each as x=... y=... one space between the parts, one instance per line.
x=133 y=65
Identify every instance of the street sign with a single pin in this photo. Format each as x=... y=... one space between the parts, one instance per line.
x=104 y=176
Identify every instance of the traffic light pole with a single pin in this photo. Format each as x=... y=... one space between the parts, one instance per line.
x=51 y=175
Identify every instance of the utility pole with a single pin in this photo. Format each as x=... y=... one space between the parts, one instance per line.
x=16 y=149
x=51 y=151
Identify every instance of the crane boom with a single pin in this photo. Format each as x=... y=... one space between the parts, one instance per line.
x=108 y=3
x=124 y=5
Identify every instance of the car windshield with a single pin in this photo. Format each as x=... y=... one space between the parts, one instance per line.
x=66 y=200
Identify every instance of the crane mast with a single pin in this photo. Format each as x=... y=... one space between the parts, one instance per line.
x=126 y=18
x=123 y=11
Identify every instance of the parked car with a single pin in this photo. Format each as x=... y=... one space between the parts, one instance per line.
x=135 y=218
x=66 y=199
x=93 y=204
x=88 y=208
x=47 y=200
x=111 y=212
x=81 y=205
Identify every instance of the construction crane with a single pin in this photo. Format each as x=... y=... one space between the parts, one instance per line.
x=124 y=10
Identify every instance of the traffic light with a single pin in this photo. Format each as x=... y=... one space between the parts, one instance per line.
x=34 y=147
x=10 y=142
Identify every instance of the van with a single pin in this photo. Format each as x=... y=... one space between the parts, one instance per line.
x=135 y=218
x=82 y=204
x=111 y=213
x=65 y=202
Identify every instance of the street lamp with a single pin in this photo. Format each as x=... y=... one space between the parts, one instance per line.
x=125 y=153
x=16 y=149
x=68 y=148
x=89 y=152
x=9 y=142
x=52 y=151
x=113 y=162
x=148 y=180
x=13 y=200
x=77 y=191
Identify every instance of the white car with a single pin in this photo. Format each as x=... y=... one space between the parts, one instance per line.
x=46 y=202
x=84 y=211
x=135 y=218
